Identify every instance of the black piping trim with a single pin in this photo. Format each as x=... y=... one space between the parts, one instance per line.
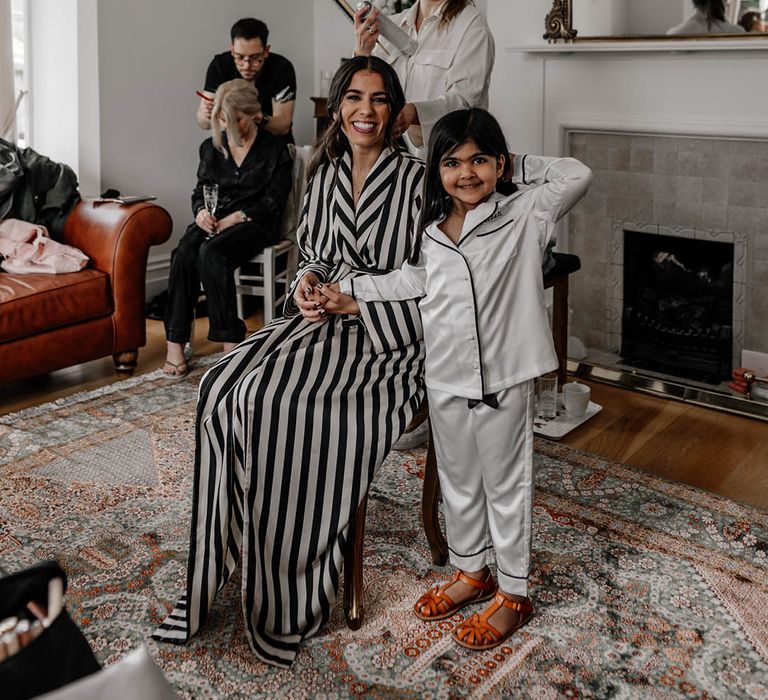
x=474 y=228
x=474 y=554
x=525 y=179
x=522 y=578
x=488 y=233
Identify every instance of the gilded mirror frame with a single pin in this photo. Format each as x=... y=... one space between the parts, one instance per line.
x=559 y=27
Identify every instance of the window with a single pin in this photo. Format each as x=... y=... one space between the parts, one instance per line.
x=21 y=69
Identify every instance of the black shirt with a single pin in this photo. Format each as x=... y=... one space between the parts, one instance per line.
x=276 y=81
x=259 y=186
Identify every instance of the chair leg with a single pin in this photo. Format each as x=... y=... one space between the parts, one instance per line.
x=560 y=326
x=354 y=608
x=239 y=295
x=429 y=507
x=269 y=284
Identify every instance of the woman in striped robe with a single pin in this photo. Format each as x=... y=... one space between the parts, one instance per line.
x=293 y=423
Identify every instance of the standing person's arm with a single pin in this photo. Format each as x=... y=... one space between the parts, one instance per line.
x=283 y=103
x=204 y=109
x=467 y=78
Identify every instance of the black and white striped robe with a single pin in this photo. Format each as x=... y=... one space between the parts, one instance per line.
x=293 y=423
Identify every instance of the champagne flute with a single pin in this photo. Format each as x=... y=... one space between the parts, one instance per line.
x=211 y=200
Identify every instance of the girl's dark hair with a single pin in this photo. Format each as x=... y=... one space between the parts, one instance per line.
x=333 y=143
x=714 y=10
x=448 y=134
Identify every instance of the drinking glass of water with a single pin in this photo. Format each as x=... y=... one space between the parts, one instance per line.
x=211 y=200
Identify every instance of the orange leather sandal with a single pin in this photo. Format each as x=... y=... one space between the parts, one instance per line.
x=439 y=605
x=477 y=633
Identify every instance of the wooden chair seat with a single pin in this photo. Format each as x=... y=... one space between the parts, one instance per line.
x=354 y=610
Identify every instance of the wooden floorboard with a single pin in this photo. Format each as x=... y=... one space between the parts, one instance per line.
x=720 y=452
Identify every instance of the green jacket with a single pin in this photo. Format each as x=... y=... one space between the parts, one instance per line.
x=34 y=188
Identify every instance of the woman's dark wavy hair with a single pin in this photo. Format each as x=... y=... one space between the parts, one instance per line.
x=333 y=143
x=448 y=134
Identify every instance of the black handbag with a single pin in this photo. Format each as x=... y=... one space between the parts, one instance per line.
x=59 y=655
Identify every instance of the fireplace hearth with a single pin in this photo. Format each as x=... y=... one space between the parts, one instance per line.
x=678 y=306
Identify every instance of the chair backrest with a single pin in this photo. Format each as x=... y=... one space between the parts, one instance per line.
x=292 y=211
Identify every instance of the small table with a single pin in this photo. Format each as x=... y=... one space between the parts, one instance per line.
x=321 y=115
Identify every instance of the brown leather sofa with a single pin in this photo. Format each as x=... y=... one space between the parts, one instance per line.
x=52 y=321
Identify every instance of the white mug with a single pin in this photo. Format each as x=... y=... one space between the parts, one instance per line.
x=575 y=399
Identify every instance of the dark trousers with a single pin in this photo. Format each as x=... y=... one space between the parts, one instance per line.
x=211 y=262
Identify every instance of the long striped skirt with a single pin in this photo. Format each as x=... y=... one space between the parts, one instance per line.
x=292 y=426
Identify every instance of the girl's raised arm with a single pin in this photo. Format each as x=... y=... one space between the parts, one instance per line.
x=562 y=182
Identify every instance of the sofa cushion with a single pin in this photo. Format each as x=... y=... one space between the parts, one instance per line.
x=35 y=303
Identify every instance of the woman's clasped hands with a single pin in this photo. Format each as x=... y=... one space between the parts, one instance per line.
x=317 y=300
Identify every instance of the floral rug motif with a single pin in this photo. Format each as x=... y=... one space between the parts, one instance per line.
x=642 y=587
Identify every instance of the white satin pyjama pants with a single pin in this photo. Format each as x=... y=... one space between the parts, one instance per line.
x=485 y=465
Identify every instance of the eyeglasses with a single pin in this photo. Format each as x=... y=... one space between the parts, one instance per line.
x=255 y=60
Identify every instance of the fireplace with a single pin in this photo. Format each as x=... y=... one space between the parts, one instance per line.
x=678 y=306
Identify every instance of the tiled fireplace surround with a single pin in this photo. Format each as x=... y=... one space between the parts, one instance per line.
x=716 y=189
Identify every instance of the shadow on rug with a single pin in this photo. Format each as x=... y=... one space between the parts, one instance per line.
x=643 y=588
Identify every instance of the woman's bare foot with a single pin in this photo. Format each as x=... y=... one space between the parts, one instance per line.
x=175 y=363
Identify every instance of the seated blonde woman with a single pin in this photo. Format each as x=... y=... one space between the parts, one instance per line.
x=252 y=169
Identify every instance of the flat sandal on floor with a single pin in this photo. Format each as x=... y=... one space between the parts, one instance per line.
x=477 y=633
x=440 y=605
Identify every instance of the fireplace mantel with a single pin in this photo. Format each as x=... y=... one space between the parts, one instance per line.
x=643 y=46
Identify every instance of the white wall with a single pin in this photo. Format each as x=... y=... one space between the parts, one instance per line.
x=53 y=72
x=152 y=58
x=333 y=38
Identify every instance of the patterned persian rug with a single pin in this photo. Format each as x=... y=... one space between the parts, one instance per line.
x=643 y=588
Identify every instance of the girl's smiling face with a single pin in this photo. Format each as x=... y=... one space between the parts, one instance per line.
x=468 y=175
x=365 y=110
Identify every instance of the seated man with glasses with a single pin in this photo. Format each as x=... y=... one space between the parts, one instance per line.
x=273 y=75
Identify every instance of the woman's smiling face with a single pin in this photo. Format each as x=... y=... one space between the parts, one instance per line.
x=365 y=110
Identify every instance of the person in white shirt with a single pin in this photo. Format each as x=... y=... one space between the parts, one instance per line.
x=708 y=18
x=451 y=69
x=476 y=270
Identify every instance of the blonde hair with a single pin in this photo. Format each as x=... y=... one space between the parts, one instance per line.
x=232 y=98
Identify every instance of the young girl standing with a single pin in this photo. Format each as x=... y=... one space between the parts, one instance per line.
x=476 y=268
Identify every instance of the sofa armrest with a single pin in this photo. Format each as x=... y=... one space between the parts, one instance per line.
x=117 y=239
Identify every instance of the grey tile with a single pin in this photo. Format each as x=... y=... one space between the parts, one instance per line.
x=595 y=203
x=748 y=220
x=577 y=138
x=622 y=207
x=714 y=191
x=748 y=194
x=641 y=160
x=665 y=144
x=595 y=140
x=641 y=142
x=665 y=162
x=757 y=148
x=748 y=167
x=626 y=183
x=758 y=244
x=705 y=146
x=713 y=216
x=609 y=158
